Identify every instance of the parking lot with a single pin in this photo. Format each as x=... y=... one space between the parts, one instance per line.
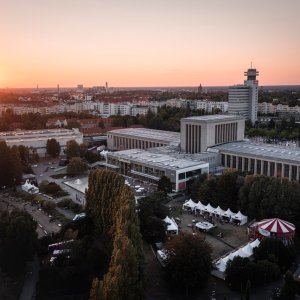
x=45 y=227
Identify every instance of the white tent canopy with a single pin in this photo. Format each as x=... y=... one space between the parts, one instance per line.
x=240 y=217
x=248 y=249
x=189 y=204
x=219 y=211
x=172 y=226
x=245 y=251
x=209 y=208
x=240 y=253
x=200 y=206
x=255 y=243
x=228 y=213
x=29 y=188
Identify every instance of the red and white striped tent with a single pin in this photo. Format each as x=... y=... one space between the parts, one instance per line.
x=276 y=227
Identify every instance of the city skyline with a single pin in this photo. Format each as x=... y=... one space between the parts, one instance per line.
x=142 y=43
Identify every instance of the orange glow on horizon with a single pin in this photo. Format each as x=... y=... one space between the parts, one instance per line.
x=148 y=43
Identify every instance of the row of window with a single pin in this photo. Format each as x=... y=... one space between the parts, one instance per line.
x=263 y=167
x=129 y=143
x=189 y=174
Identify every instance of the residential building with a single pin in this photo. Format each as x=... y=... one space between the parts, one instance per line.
x=210 y=106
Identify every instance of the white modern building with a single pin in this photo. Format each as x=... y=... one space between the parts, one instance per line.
x=150 y=166
x=260 y=159
x=37 y=139
x=243 y=99
x=200 y=132
x=141 y=138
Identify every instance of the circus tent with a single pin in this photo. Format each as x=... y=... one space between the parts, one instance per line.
x=276 y=227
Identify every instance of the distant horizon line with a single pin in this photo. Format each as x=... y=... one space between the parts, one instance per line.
x=145 y=87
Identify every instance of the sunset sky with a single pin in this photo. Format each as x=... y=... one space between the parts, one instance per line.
x=148 y=42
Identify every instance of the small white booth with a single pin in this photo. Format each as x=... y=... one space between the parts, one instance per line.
x=189 y=205
x=172 y=227
x=239 y=218
x=30 y=188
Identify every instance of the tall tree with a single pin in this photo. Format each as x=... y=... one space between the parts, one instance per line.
x=189 y=262
x=76 y=166
x=288 y=291
x=19 y=238
x=151 y=211
x=6 y=287
x=10 y=165
x=114 y=210
x=72 y=149
x=164 y=185
x=101 y=197
x=53 y=147
x=275 y=250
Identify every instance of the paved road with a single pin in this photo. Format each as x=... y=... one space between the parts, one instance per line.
x=44 y=226
x=31 y=278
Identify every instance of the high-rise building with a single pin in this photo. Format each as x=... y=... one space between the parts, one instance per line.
x=243 y=99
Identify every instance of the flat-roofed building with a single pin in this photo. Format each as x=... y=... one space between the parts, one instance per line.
x=37 y=139
x=200 y=132
x=260 y=159
x=150 y=166
x=140 y=138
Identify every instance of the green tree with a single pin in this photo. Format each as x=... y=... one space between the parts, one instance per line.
x=208 y=191
x=151 y=211
x=164 y=185
x=19 y=240
x=154 y=230
x=114 y=214
x=237 y=272
x=6 y=287
x=194 y=184
x=122 y=280
x=101 y=197
x=76 y=166
x=248 y=290
x=275 y=251
x=288 y=291
x=10 y=165
x=265 y=197
x=241 y=270
x=53 y=147
x=228 y=186
x=72 y=149
x=189 y=262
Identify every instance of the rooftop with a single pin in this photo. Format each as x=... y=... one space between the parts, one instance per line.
x=214 y=118
x=167 y=136
x=11 y=137
x=267 y=151
x=155 y=159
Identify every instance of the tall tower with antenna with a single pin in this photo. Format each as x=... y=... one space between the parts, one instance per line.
x=243 y=99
